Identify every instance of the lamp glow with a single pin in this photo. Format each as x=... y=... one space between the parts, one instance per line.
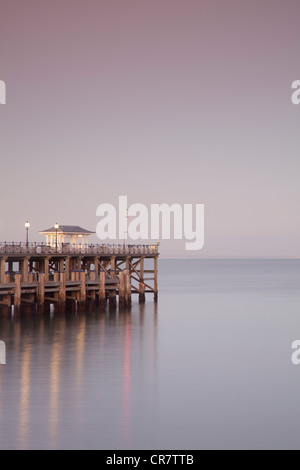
x=27 y=225
x=56 y=226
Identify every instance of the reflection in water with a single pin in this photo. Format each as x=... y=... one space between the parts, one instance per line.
x=79 y=352
x=54 y=402
x=104 y=380
x=24 y=397
x=80 y=345
x=75 y=372
x=126 y=401
x=153 y=367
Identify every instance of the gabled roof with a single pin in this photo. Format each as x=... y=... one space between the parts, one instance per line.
x=68 y=229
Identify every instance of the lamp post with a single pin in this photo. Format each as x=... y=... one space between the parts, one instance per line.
x=56 y=226
x=27 y=225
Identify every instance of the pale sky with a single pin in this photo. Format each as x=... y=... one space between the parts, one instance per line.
x=185 y=101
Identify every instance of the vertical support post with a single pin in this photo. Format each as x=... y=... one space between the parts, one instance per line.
x=41 y=292
x=46 y=268
x=113 y=267
x=92 y=293
x=127 y=288
x=102 y=288
x=127 y=283
x=56 y=294
x=67 y=268
x=96 y=264
x=113 y=292
x=82 y=287
x=30 y=267
x=121 y=288
x=142 y=285
x=24 y=269
x=10 y=267
x=62 y=293
x=61 y=265
x=2 y=269
x=37 y=266
x=17 y=298
x=155 y=280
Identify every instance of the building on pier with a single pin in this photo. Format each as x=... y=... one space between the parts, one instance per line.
x=66 y=234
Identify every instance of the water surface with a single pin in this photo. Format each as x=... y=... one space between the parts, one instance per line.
x=208 y=367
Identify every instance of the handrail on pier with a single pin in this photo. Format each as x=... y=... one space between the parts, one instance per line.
x=33 y=248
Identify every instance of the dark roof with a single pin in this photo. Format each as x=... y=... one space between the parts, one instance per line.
x=68 y=229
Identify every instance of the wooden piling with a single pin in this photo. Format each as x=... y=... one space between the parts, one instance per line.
x=46 y=269
x=92 y=294
x=141 y=284
x=24 y=269
x=10 y=267
x=113 y=267
x=155 y=280
x=41 y=293
x=102 y=295
x=61 y=265
x=122 y=288
x=82 y=287
x=62 y=293
x=127 y=289
x=67 y=268
x=17 y=296
x=2 y=269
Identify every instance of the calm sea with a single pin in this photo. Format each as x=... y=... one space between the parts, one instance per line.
x=208 y=367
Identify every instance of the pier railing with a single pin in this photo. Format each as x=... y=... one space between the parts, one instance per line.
x=7 y=248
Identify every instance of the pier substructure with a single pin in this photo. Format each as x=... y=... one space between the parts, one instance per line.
x=40 y=276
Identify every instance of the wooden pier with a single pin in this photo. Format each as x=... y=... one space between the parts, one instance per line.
x=35 y=275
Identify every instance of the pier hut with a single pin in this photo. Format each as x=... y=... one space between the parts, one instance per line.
x=66 y=234
x=66 y=271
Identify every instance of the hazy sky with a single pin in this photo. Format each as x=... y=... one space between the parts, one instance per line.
x=183 y=101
